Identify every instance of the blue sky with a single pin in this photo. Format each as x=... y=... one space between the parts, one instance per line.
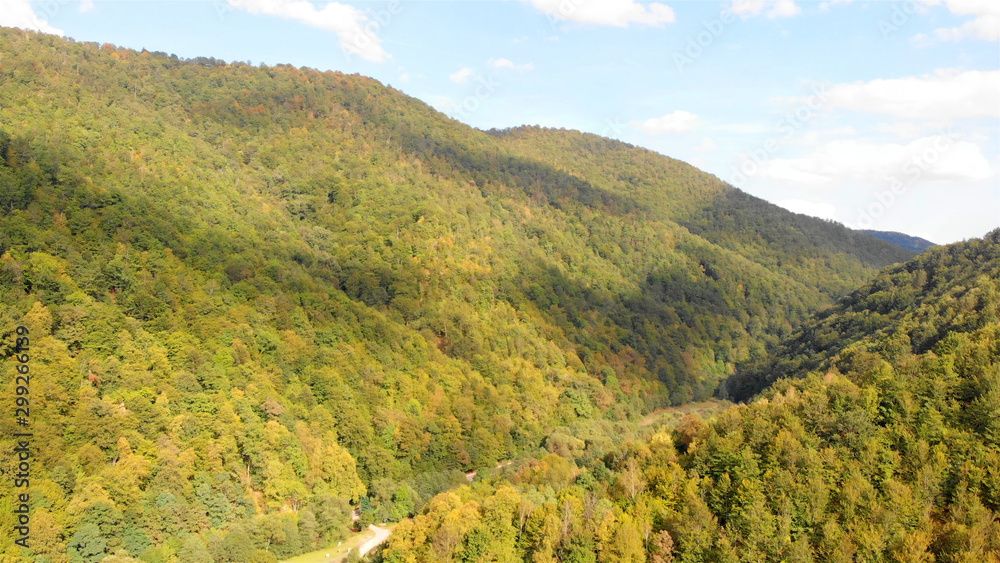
x=879 y=114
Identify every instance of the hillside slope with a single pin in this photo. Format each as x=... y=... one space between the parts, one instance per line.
x=910 y=308
x=256 y=295
x=800 y=247
x=889 y=451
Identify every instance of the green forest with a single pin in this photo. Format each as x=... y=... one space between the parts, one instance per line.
x=880 y=443
x=256 y=300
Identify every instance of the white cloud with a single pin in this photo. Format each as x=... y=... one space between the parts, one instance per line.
x=405 y=77
x=443 y=104
x=909 y=129
x=18 y=13
x=744 y=128
x=799 y=172
x=984 y=25
x=840 y=131
x=461 y=76
x=948 y=94
x=86 y=5
x=814 y=137
x=821 y=210
x=771 y=8
x=617 y=13
x=932 y=158
x=505 y=63
x=706 y=145
x=678 y=122
x=355 y=31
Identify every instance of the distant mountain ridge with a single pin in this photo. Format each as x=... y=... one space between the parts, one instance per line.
x=903 y=240
x=912 y=306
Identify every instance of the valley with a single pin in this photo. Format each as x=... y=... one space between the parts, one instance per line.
x=262 y=299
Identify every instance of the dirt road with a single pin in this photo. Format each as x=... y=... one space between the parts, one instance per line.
x=471 y=475
x=381 y=534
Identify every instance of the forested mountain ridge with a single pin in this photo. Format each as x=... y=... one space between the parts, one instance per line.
x=761 y=231
x=255 y=295
x=902 y=239
x=910 y=308
x=889 y=451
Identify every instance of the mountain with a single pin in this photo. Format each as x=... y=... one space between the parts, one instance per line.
x=730 y=218
x=259 y=297
x=880 y=444
x=899 y=239
x=910 y=307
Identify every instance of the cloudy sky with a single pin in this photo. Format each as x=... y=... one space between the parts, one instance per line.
x=877 y=114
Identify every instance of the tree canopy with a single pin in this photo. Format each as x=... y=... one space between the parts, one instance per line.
x=260 y=298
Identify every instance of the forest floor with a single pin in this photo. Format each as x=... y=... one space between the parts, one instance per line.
x=367 y=540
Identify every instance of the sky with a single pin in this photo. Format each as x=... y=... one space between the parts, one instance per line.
x=878 y=114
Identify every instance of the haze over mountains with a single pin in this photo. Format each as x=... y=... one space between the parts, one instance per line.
x=901 y=239
x=259 y=297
